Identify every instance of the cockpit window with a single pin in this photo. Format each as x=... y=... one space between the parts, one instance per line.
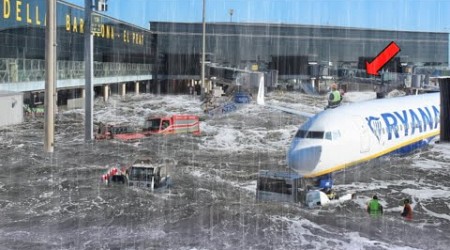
x=332 y=135
x=336 y=134
x=309 y=134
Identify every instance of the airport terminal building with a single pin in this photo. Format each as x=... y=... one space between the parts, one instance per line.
x=166 y=57
x=122 y=52
x=298 y=52
x=289 y=48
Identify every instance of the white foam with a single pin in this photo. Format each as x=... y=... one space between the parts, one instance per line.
x=304 y=230
x=46 y=195
x=135 y=108
x=437 y=215
x=359 y=96
x=428 y=164
x=427 y=193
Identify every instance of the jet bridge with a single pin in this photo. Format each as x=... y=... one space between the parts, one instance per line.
x=241 y=77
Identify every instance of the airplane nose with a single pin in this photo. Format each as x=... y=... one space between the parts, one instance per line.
x=304 y=160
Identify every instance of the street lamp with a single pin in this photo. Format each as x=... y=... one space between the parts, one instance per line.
x=50 y=77
x=231 y=11
x=88 y=72
x=202 y=92
x=90 y=5
x=102 y=5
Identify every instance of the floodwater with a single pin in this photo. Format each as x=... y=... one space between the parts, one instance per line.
x=57 y=201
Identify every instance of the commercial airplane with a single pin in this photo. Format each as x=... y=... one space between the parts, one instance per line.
x=354 y=133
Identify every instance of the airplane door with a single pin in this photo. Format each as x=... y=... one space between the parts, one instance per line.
x=365 y=140
x=364 y=135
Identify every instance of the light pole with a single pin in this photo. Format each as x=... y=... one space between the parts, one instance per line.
x=446 y=29
x=202 y=92
x=231 y=11
x=88 y=72
x=89 y=5
x=50 y=77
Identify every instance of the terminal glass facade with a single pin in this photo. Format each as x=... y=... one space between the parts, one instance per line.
x=120 y=48
x=291 y=49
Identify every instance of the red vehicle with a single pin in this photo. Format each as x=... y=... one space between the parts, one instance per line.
x=175 y=124
x=121 y=132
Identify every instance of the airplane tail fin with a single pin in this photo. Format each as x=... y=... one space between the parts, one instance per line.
x=260 y=101
x=260 y=97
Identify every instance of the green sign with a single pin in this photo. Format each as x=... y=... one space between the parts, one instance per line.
x=96 y=23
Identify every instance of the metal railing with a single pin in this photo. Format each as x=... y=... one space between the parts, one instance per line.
x=28 y=70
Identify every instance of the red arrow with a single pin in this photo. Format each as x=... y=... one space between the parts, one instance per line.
x=381 y=59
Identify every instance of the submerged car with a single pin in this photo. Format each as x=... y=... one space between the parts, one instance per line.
x=143 y=173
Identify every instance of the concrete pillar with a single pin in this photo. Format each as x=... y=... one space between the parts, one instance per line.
x=136 y=88
x=123 y=89
x=105 y=92
x=169 y=86
x=83 y=93
x=316 y=84
x=444 y=85
x=14 y=72
x=191 y=87
x=56 y=102
x=199 y=86
x=147 y=87
x=208 y=86
x=158 y=87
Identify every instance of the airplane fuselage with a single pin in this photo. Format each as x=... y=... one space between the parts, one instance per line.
x=338 y=138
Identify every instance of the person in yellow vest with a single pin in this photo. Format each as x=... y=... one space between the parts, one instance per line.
x=335 y=97
x=374 y=207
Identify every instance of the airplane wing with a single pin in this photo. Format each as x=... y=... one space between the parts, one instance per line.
x=260 y=101
x=291 y=111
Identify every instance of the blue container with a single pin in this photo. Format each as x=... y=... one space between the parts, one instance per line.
x=242 y=98
x=325 y=181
